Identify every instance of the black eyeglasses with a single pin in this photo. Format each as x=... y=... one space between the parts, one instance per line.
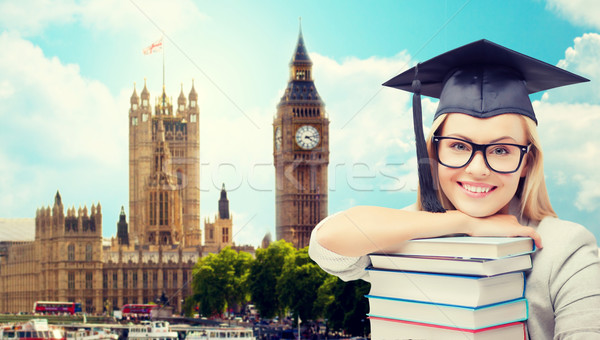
x=503 y=158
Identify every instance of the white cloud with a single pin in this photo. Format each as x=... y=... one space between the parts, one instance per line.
x=148 y=17
x=582 y=58
x=371 y=134
x=60 y=129
x=568 y=133
x=32 y=17
x=579 y=12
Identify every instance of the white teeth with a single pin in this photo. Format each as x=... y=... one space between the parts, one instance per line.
x=476 y=189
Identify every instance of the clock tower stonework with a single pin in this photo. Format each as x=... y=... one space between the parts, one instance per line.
x=301 y=153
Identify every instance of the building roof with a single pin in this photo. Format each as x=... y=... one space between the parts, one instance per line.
x=17 y=229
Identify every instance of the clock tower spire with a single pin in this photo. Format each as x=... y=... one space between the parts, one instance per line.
x=301 y=153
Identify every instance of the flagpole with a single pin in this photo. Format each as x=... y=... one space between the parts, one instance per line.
x=163 y=55
x=163 y=50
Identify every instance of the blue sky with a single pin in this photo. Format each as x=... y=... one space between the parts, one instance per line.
x=69 y=67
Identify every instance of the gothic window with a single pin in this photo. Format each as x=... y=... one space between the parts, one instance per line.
x=89 y=279
x=71 y=281
x=225 y=235
x=88 y=252
x=71 y=252
x=193 y=103
x=163 y=207
x=145 y=279
x=144 y=117
x=152 y=208
x=154 y=280
x=145 y=102
x=193 y=118
x=114 y=280
x=134 y=121
x=134 y=106
x=174 y=280
x=134 y=280
x=179 y=178
x=104 y=280
x=124 y=279
x=165 y=279
x=89 y=306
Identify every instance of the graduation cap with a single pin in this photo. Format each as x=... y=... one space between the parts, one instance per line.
x=481 y=79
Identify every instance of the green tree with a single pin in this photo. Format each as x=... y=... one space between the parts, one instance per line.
x=220 y=281
x=298 y=285
x=264 y=274
x=347 y=308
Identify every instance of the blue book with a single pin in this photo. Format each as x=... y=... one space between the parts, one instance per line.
x=470 y=291
x=447 y=315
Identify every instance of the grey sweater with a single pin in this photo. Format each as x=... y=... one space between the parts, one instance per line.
x=562 y=289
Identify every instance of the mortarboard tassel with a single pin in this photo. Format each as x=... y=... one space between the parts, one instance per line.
x=429 y=200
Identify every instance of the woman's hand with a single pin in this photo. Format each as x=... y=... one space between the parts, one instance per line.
x=499 y=225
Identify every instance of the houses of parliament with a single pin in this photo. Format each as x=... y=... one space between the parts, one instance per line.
x=153 y=254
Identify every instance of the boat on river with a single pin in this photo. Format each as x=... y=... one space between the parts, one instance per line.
x=151 y=330
x=220 y=333
x=91 y=334
x=34 y=329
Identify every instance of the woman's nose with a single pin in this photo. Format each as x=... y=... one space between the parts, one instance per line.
x=477 y=165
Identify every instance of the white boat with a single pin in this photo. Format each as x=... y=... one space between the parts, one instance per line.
x=159 y=330
x=92 y=334
x=220 y=333
x=35 y=329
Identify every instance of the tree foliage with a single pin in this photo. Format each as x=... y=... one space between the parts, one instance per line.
x=280 y=279
x=346 y=306
x=265 y=271
x=220 y=281
x=298 y=285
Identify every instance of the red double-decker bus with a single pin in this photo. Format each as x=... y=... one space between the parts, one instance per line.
x=138 y=310
x=56 y=307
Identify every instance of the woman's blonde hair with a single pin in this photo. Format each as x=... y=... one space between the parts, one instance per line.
x=534 y=200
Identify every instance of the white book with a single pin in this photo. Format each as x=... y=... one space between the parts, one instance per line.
x=386 y=329
x=452 y=265
x=470 y=291
x=448 y=315
x=469 y=247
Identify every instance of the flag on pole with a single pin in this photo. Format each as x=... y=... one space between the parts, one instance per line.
x=154 y=47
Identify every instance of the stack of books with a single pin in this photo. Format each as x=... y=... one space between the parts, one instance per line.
x=451 y=288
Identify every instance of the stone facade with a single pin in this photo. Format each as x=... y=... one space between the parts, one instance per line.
x=69 y=261
x=164 y=170
x=218 y=233
x=301 y=153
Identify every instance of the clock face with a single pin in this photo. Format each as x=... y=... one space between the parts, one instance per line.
x=278 y=138
x=307 y=137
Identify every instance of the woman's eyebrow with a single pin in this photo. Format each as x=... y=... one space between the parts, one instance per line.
x=495 y=140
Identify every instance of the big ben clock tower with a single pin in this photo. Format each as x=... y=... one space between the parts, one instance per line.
x=301 y=153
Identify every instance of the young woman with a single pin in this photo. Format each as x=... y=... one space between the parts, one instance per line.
x=487 y=168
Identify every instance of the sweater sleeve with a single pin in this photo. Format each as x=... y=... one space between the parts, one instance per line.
x=575 y=287
x=345 y=267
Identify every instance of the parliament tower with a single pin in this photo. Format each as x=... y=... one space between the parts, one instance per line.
x=301 y=153
x=164 y=174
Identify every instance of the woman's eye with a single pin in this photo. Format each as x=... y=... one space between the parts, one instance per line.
x=499 y=150
x=457 y=146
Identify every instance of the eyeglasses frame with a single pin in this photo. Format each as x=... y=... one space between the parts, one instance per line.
x=480 y=147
